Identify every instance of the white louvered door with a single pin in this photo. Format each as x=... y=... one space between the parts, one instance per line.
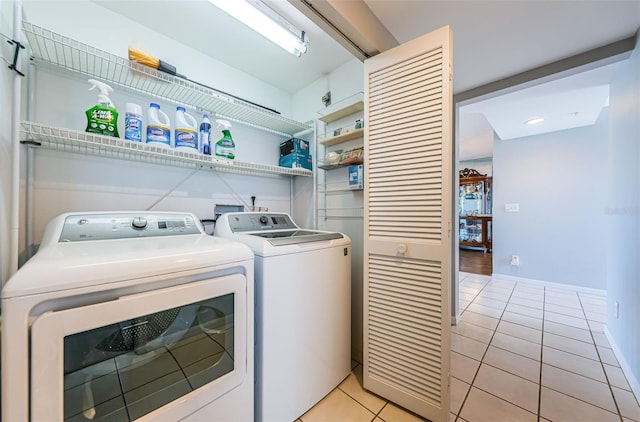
x=407 y=224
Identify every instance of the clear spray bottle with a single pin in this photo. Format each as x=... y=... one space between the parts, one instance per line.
x=205 y=135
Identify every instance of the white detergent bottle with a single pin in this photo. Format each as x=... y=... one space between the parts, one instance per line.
x=186 y=132
x=158 y=127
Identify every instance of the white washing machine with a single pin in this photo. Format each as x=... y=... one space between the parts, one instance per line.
x=303 y=310
x=129 y=316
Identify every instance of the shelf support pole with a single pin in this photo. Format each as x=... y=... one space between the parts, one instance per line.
x=15 y=146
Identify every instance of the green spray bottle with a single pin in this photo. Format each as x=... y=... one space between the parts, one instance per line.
x=102 y=118
x=225 y=147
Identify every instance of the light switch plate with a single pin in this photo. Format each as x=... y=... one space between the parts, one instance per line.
x=511 y=207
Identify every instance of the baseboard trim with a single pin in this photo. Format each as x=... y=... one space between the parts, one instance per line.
x=624 y=365
x=582 y=289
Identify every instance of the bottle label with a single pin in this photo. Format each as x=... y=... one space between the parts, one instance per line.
x=225 y=151
x=187 y=138
x=160 y=134
x=205 y=139
x=133 y=127
x=102 y=120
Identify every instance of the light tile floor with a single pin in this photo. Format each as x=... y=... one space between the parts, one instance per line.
x=522 y=352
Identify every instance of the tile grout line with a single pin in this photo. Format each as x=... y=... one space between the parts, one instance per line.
x=476 y=295
x=551 y=347
x=542 y=349
x=474 y=375
x=500 y=369
x=544 y=305
x=606 y=376
x=375 y=415
x=485 y=351
x=575 y=373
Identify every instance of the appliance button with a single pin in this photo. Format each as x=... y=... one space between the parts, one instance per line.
x=139 y=223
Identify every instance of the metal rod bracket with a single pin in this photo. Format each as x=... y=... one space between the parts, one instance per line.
x=18 y=46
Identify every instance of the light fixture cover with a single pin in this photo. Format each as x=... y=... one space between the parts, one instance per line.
x=535 y=121
x=264 y=20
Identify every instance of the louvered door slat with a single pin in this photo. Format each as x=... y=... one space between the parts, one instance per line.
x=408 y=200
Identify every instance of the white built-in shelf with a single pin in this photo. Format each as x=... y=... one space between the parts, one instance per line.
x=327 y=166
x=343 y=137
x=345 y=212
x=349 y=105
x=338 y=188
x=50 y=48
x=80 y=142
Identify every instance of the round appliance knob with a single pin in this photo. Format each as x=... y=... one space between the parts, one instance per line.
x=264 y=219
x=139 y=223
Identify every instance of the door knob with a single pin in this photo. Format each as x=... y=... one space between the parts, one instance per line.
x=402 y=249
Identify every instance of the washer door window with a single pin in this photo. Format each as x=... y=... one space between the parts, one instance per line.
x=132 y=357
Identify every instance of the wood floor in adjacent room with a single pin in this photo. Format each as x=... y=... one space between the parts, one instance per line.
x=475 y=261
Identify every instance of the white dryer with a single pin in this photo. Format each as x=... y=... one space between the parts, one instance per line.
x=303 y=310
x=129 y=316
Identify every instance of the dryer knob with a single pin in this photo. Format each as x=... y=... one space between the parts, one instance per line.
x=139 y=223
x=264 y=219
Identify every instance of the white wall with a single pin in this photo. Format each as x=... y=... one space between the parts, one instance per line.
x=343 y=82
x=92 y=24
x=623 y=217
x=74 y=182
x=559 y=181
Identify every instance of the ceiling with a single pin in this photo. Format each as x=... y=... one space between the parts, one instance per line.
x=214 y=33
x=492 y=40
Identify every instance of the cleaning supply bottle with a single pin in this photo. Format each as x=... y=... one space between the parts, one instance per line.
x=205 y=135
x=225 y=147
x=133 y=123
x=158 y=127
x=185 y=134
x=102 y=118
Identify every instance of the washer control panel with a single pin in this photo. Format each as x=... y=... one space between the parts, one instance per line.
x=251 y=222
x=83 y=227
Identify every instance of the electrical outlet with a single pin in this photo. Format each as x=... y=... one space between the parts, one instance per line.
x=515 y=260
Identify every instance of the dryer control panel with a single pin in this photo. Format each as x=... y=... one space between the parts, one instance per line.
x=81 y=227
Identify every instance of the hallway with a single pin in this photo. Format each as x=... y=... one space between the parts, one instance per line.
x=525 y=351
x=475 y=261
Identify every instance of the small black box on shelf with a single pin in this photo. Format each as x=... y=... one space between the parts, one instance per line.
x=294 y=146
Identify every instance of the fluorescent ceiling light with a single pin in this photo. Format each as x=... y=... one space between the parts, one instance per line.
x=264 y=20
x=535 y=121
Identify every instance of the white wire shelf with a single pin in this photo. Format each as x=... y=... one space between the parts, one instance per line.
x=69 y=140
x=54 y=49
